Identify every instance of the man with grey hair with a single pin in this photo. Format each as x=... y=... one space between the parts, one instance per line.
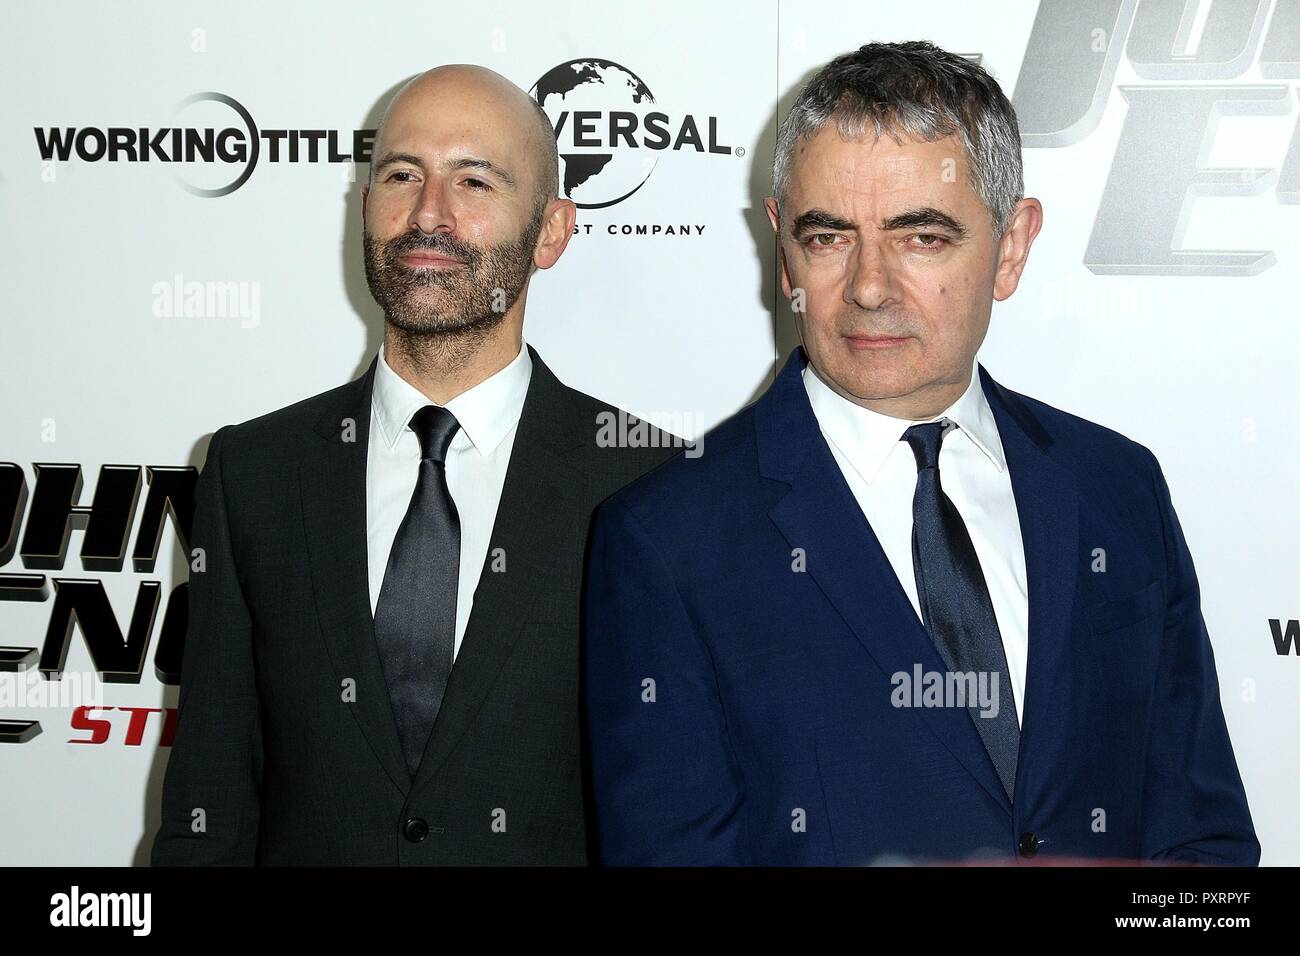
x=871 y=624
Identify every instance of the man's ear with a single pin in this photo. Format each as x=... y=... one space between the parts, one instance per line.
x=365 y=193
x=557 y=230
x=774 y=217
x=1013 y=250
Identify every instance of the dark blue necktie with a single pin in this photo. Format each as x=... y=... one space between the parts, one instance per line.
x=954 y=598
x=415 y=617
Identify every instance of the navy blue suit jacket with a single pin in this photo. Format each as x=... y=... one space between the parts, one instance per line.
x=740 y=710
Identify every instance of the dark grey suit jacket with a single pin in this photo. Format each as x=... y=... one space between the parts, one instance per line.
x=286 y=751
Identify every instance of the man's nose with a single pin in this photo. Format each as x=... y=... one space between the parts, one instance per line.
x=433 y=210
x=873 y=283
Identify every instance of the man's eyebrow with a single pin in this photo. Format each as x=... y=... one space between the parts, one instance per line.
x=821 y=219
x=465 y=162
x=921 y=217
x=390 y=158
x=473 y=162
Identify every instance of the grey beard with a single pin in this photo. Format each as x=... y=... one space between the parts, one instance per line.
x=475 y=297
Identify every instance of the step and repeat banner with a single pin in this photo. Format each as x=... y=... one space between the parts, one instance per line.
x=155 y=290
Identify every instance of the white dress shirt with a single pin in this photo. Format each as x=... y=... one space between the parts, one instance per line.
x=880 y=469
x=476 y=464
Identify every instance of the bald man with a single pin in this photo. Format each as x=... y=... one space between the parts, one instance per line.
x=382 y=661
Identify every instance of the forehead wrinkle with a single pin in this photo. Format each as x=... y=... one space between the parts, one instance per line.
x=878 y=183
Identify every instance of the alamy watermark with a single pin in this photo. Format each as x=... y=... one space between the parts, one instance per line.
x=28 y=689
x=192 y=299
x=965 y=689
x=618 y=429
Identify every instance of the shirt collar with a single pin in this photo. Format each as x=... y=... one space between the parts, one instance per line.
x=486 y=412
x=867 y=437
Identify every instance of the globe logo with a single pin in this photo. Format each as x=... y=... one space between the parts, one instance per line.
x=606 y=131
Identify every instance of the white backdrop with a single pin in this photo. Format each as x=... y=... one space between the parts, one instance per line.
x=1193 y=356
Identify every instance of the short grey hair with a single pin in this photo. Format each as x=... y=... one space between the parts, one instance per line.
x=918 y=90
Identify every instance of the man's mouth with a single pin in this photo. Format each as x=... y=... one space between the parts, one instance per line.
x=429 y=260
x=864 y=341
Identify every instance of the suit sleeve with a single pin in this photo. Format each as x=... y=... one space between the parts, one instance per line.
x=665 y=780
x=1194 y=806
x=210 y=792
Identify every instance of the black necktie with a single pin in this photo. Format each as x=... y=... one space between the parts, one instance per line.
x=415 y=617
x=954 y=598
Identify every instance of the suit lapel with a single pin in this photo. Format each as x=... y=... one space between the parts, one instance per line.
x=850 y=567
x=843 y=556
x=531 y=517
x=537 y=512
x=333 y=484
x=1047 y=502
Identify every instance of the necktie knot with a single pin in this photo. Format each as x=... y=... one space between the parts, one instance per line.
x=435 y=427
x=925 y=440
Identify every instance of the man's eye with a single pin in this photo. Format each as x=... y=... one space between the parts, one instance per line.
x=401 y=172
x=929 y=240
x=477 y=185
x=821 y=239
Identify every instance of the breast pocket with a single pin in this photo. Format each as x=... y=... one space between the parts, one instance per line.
x=1124 y=610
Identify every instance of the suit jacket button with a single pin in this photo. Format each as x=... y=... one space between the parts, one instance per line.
x=1028 y=844
x=415 y=829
